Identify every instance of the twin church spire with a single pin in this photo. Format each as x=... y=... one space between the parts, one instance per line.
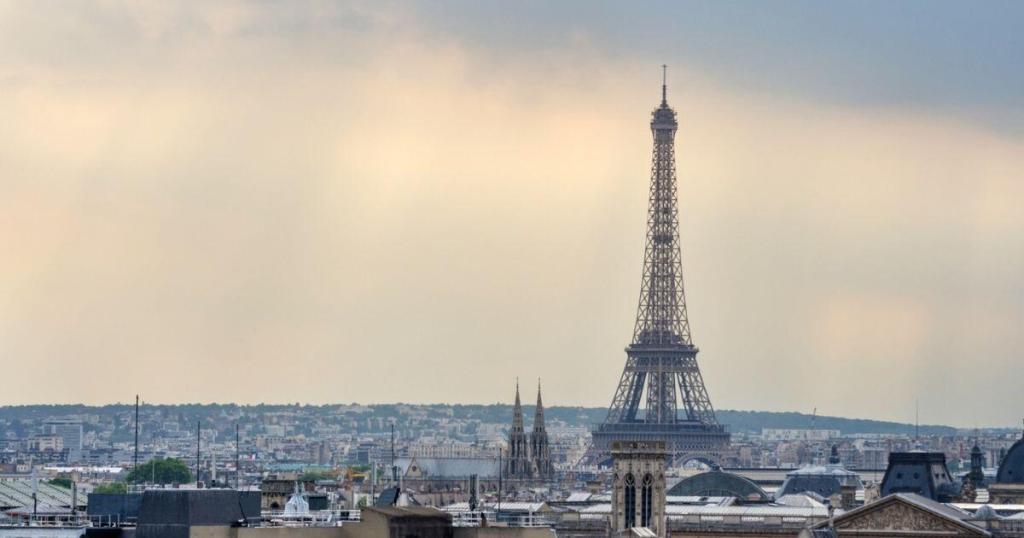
x=529 y=456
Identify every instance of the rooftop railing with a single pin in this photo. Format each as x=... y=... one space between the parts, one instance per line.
x=318 y=518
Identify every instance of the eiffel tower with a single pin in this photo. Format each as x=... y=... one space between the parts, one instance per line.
x=661 y=356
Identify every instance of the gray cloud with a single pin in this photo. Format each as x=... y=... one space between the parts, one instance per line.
x=959 y=58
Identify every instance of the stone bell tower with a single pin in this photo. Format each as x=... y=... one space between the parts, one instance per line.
x=638 y=485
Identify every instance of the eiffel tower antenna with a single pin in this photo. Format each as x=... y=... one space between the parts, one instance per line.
x=664 y=85
x=661 y=360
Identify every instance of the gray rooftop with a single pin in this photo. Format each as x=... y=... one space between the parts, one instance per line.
x=17 y=492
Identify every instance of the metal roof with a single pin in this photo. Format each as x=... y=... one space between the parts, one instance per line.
x=718 y=483
x=970 y=507
x=698 y=499
x=17 y=492
x=450 y=467
x=506 y=506
x=729 y=511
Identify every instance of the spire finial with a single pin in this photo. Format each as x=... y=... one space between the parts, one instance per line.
x=664 y=84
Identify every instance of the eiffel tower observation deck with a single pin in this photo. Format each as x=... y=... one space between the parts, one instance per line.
x=661 y=360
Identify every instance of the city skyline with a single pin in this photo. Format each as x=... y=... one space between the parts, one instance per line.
x=379 y=202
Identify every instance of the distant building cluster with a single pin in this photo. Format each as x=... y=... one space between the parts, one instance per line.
x=791 y=434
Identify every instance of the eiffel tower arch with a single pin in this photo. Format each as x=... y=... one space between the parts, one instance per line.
x=661 y=395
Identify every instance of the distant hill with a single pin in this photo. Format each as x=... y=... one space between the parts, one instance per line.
x=755 y=420
x=737 y=421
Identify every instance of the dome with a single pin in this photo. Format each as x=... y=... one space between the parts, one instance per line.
x=822 y=484
x=824 y=480
x=833 y=457
x=1011 y=469
x=719 y=484
x=296 y=505
x=986 y=512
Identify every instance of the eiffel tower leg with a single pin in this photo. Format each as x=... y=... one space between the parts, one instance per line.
x=698 y=404
x=626 y=402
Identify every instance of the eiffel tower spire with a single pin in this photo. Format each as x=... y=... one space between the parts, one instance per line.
x=661 y=360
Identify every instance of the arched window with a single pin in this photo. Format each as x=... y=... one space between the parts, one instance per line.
x=629 y=505
x=645 y=501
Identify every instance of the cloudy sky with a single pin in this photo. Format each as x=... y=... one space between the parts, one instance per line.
x=335 y=202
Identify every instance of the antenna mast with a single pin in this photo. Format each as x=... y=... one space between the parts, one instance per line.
x=199 y=436
x=238 y=467
x=135 y=465
x=394 y=469
x=664 y=84
x=498 y=510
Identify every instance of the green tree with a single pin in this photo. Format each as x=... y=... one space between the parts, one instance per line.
x=318 y=475
x=160 y=471
x=61 y=482
x=112 y=487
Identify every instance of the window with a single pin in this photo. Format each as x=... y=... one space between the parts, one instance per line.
x=645 y=501
x=629 y=506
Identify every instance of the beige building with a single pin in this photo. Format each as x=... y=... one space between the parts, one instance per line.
x=45 y=443
x=901 y=515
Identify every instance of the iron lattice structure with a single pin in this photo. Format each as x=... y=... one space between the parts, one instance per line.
x=661 y=357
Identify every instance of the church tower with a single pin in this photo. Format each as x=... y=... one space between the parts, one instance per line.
x=539 y=446
x=638 y=486
x=520 y=465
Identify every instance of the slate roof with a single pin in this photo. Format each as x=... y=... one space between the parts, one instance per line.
x=799 y=500
x=923 y=473
x=748 y=511
x=410 y=512
x=826 y=486
x=506 y=506
x=450 y=467
x=388 y=497
x=824 y=480
x=718 y=483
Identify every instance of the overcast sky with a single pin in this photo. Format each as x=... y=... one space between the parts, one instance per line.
x=376 y=202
